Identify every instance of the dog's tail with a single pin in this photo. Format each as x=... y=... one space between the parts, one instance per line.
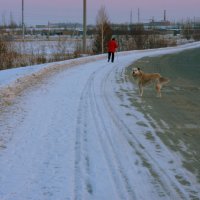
x=163 y=81
x=160 y=82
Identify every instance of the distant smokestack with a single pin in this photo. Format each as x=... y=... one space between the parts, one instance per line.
x=131 y=17
x=138 y=15
x=164 y=15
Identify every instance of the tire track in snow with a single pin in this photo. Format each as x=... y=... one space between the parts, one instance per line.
x=120 y=178
x=81 y=151
x=138 y=147
x=84 y=187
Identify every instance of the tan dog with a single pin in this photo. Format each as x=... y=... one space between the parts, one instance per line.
x=145 y=79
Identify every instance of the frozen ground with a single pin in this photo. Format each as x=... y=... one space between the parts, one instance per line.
x=65 y=134
x=47 y=47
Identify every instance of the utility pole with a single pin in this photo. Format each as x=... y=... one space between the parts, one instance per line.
x=48 y=30
x=165 y=19
x=138 y=15
x=131 y=17
x=23 y=20
x=84 y=26
x=102 y=36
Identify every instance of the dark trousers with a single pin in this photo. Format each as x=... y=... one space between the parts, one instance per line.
x=112 y=55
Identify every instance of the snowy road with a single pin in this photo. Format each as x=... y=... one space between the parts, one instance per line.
x=72 y=136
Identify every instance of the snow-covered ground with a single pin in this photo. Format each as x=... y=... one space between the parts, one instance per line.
x=63 y=45
x=65 y=134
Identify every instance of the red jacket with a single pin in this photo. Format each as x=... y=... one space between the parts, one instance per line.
x=112 y=45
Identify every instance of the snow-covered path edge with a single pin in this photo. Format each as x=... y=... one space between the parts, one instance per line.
x=15 y=80
x=72 y=138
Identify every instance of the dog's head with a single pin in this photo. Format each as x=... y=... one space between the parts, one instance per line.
x=136 y=72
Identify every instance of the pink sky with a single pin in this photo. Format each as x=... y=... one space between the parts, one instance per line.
x=42 y=11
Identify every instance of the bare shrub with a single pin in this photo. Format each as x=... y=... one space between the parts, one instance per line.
x=7 y=55
x=12 y=56
x=140 y=35
x=156 y=41
x=196 y=35
x=104 y=32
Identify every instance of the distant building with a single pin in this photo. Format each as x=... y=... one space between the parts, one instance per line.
x=164 y=25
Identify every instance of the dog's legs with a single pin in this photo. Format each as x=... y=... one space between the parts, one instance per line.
x=140 y=90
x=158 y=89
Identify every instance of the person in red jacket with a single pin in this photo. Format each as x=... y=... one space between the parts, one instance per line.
x=112 y=46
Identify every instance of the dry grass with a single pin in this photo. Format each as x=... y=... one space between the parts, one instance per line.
x=12 y=54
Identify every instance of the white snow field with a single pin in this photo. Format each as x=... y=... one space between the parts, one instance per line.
x=65 y=135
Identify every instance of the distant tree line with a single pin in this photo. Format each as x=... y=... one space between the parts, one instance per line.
x=11 y=23
x=128 y=36
x=136 y=36
x=191 y=30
